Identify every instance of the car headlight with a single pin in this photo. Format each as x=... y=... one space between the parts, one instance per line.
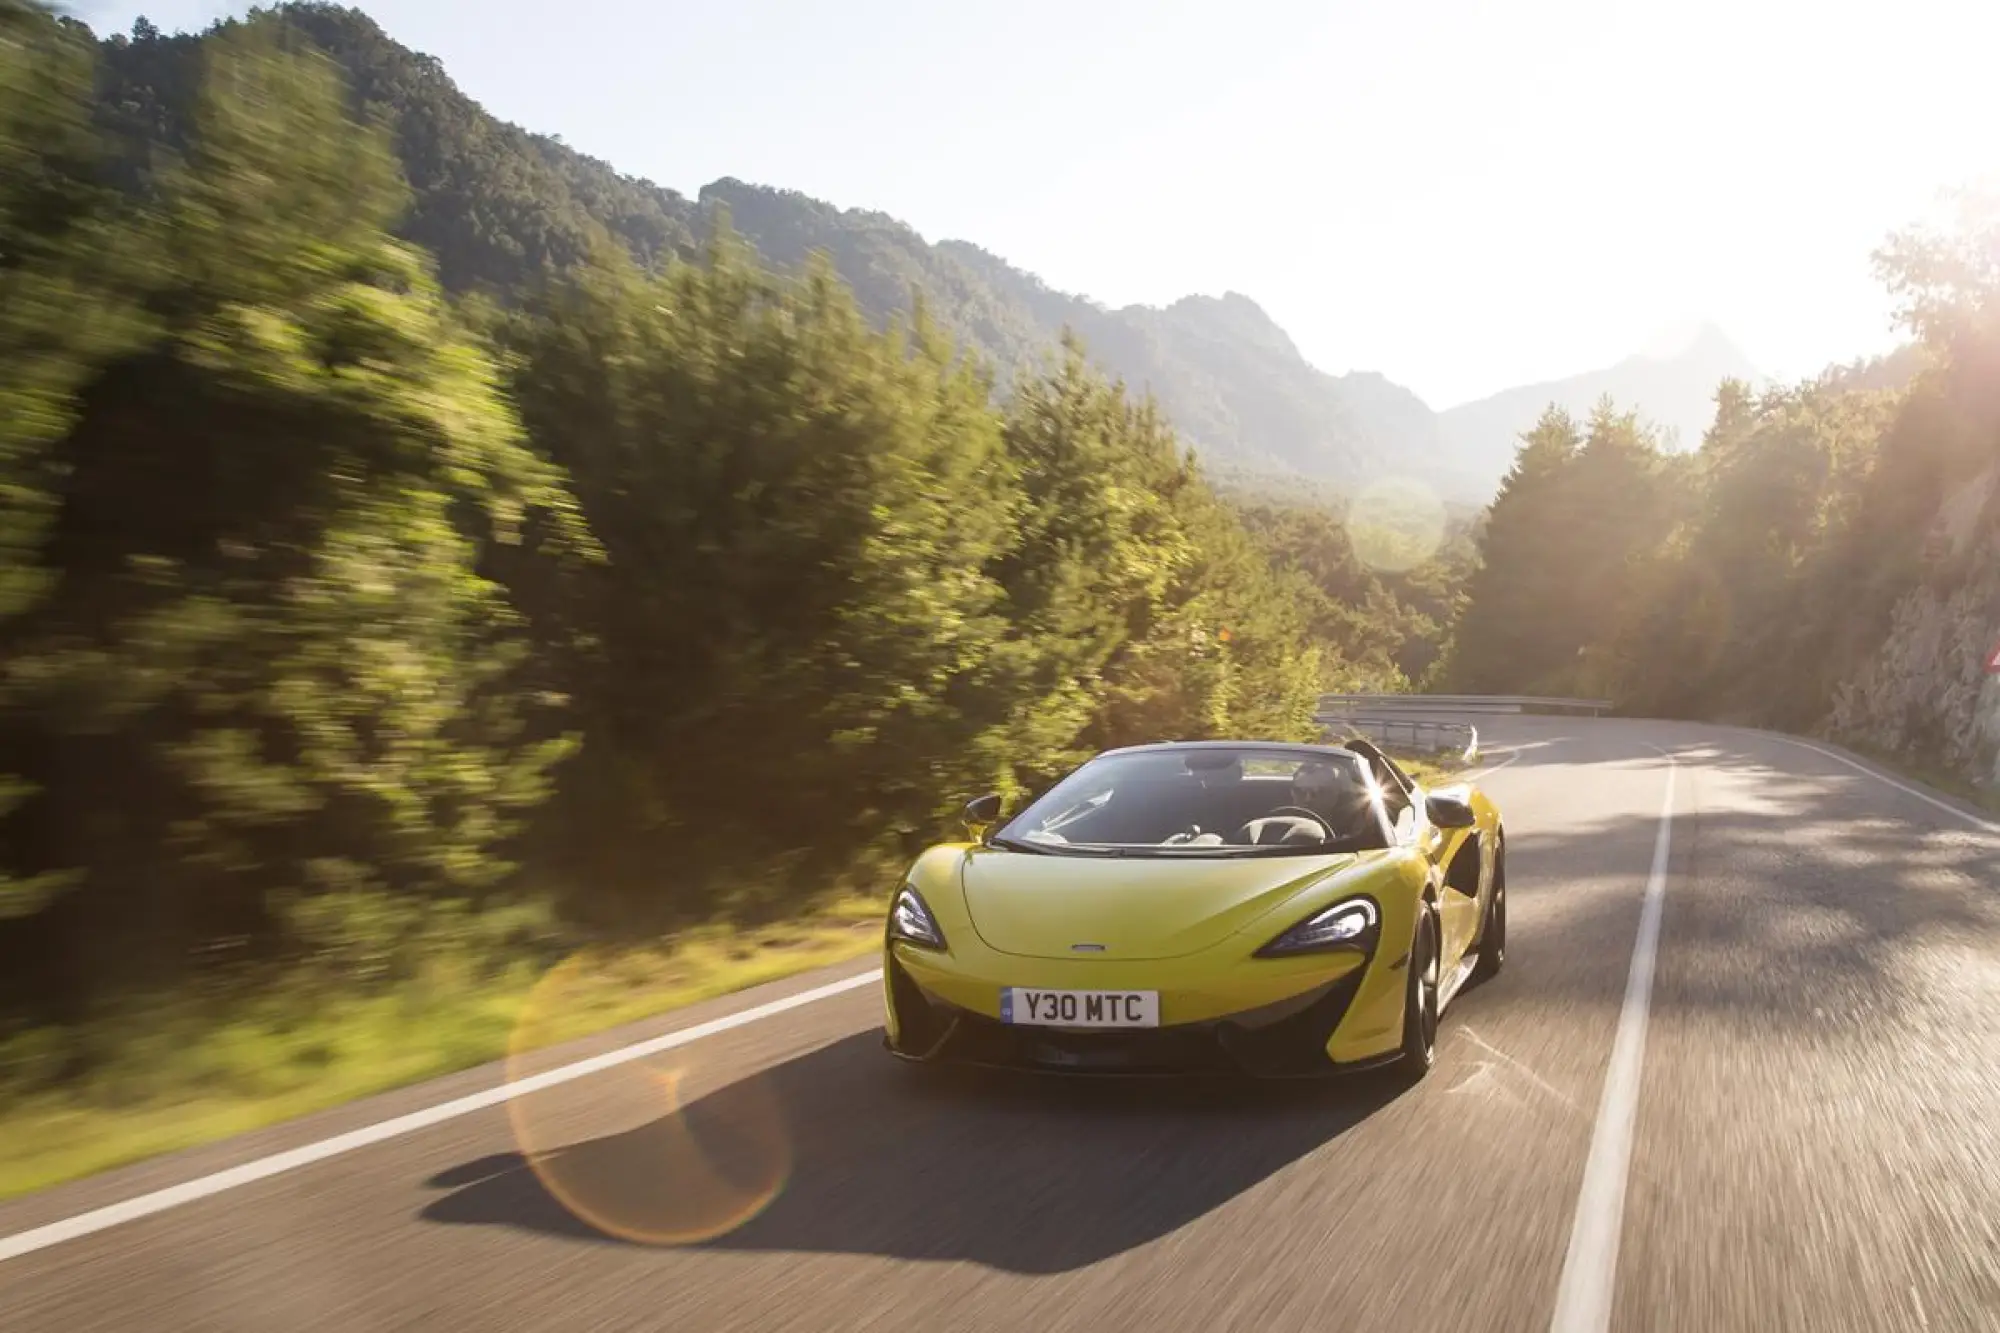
x=1352 y=923
x=910 y=920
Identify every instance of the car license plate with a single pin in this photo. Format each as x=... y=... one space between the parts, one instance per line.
x=1080 y=1008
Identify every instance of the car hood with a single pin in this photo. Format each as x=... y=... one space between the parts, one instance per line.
x=1042 y=906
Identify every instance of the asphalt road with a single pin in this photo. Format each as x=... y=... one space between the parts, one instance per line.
x=1814 y=1130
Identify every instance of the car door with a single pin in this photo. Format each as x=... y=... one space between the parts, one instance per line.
x=1458 y=895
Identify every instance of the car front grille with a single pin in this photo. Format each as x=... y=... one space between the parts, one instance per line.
x=1284 y=1040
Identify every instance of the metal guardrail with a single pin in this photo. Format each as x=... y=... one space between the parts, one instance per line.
x=1423 y=734
x=1344 y=706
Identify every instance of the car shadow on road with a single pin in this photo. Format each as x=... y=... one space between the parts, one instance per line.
x=1016 y=1172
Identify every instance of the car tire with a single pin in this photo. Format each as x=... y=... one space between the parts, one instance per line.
x=1420 y=996
x=1493 y=934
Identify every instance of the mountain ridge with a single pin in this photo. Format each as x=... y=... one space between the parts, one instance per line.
x=500 y=206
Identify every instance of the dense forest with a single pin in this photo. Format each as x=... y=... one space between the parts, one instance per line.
x=375 y=566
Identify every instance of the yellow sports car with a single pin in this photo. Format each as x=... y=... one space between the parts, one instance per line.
x=1210 y=906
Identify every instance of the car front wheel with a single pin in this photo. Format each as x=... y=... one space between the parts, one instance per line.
x=1420 y=1002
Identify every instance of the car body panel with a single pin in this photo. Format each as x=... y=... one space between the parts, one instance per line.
x=1040 y=906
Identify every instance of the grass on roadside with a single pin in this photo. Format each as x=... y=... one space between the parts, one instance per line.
x=181 y=1078
x=1428 y=767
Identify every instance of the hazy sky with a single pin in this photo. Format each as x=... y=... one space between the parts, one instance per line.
x=1463 y=196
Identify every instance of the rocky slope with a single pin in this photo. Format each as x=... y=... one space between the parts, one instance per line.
x=1926 y=694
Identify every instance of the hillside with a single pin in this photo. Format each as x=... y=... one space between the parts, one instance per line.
x=500 y=207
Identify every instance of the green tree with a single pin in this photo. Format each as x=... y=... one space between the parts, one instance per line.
x=798 y=512
x=1139 y=605
x=1579 y=510
x=1498 y=644
x=1096 y=545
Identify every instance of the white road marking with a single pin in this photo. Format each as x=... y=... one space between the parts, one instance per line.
x=1479 y=774
x=159 y=1201
x=1590 y=1270
x=1533 y=1077
x=1965 y=816
x=1482 y=1079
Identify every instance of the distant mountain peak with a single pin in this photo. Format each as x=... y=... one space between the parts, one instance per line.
x=1701 y=339
x=1229 y=300
x=1671 y=383
x=1233 y=303
x=1234 y=315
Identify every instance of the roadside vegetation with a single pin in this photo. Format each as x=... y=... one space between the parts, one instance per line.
x=195 y=1070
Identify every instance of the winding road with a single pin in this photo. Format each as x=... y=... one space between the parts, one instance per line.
x=1742 y=1072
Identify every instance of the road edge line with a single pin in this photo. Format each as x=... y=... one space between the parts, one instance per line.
x=1957 y=812
x=263 y=1168
x=1590 y=1266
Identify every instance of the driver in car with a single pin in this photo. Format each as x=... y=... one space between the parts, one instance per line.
x=1320 y=787
x=1320 y=807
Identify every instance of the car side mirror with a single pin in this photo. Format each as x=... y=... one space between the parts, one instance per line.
x=911 y=841
x=981 y=814
x=1450 y=809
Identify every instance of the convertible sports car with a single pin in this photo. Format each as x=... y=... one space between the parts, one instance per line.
x=1201 y=907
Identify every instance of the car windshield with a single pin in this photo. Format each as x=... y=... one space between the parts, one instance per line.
x=1218 y=800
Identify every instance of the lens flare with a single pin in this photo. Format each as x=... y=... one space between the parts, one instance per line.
x=1396 y=524
x=639 y=1152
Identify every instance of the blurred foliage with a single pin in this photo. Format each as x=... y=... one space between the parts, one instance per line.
x=268 y=664
x=1751 y=580
x=349 y=622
